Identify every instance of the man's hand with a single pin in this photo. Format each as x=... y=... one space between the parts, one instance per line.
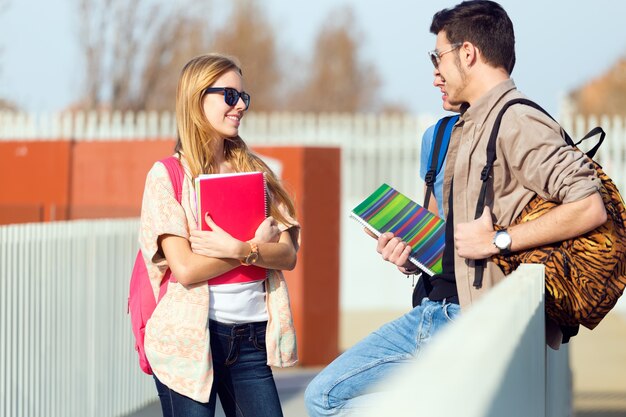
x=474 y=240
x=393 y=249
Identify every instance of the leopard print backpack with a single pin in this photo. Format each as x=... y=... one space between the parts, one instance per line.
x=586 y=275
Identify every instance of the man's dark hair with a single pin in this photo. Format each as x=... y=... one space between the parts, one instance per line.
x=485 y=24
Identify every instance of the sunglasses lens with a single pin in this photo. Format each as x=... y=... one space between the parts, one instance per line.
x=434 y=59
x=246 y=99
x=231 y=96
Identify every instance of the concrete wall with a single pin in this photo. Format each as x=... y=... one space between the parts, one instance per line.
x=492 y=362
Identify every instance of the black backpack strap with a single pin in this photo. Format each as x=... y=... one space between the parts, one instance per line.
x=486 y=172
x=491 y=157
x=440 y=147
x=595 y=131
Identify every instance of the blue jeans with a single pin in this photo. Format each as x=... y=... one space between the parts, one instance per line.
x=242 y=378
x=344 y=385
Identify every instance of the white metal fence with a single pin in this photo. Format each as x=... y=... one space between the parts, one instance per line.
x=375 y=148
x=66 y=347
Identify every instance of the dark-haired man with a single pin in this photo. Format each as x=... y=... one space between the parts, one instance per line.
x=531 y=156
x=475 y=49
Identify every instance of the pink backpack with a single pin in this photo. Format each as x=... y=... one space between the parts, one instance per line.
x=141 y=302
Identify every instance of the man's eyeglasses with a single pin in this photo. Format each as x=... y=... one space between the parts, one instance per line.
x=435 y=55
x=231 y=95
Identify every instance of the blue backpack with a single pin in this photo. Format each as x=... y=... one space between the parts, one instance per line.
x=438 y=152
x=442 y=133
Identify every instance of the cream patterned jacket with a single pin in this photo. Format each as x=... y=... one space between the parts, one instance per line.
x=177 y=337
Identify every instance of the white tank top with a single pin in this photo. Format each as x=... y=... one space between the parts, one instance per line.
x=238 y=303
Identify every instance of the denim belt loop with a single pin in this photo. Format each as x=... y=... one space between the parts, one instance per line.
x=252 y=327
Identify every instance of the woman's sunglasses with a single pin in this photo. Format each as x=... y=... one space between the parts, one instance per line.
x=231 y=95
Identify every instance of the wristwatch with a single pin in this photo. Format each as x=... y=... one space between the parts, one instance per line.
x=502 y=241
x=253 y=256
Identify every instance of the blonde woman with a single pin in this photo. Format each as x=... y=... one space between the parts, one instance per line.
x=203 y=341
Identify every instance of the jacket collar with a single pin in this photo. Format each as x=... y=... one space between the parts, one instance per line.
x=480 y=110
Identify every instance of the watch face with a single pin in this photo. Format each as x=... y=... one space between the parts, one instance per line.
x=252 y=258
x=502 y=240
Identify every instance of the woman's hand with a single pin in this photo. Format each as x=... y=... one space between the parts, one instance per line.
x=217 y=243
x=267 y=232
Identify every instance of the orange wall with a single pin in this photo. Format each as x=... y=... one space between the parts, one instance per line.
x=313 y=176
x=108 y=177
x=34 y=181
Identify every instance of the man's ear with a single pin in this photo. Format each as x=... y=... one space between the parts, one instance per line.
x=469 y=54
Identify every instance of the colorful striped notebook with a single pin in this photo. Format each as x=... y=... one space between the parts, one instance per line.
x=388 y=210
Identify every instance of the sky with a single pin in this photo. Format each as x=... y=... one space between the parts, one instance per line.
x=560 y=45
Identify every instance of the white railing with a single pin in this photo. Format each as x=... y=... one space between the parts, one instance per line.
x=87 y=126
x=375 y=148
x=492 y=362
x=66 y=348
x=275 y=128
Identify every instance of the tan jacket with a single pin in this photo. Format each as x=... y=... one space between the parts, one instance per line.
x=531 y=159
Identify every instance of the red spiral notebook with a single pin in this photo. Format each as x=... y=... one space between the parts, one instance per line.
x=237 y=203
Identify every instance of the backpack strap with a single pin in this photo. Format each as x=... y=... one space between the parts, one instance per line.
x=595 y=131
x=442 y=133
x=176 y=173
x=175 y=170
x=491 y=157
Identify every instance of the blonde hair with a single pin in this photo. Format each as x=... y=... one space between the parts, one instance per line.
x=196 y=136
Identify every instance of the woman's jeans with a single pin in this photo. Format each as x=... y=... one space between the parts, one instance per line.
x=344 y=385
x=241 y=377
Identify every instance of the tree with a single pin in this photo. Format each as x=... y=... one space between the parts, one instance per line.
x=4 y=4
x=249 y=37
x=4 y=103
x=134 y=50
x=166 y=58
x=133 y=53
x=604 y=95
x=339 y=80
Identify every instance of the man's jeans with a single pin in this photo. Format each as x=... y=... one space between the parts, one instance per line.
x=242 y=378
x=343 y=386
